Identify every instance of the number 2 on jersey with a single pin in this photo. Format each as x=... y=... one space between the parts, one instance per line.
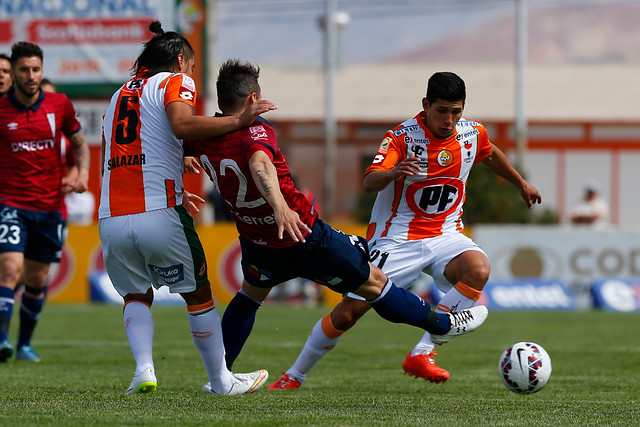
x=242 y=181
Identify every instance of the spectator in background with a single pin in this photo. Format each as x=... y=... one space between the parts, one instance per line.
x=77 y=208
x=5 y=74
x=592 y=210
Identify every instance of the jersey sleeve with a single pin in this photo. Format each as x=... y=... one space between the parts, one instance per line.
x=71 y=123
x=261 y=138
x=389 y=153
x=180 y=87
x=484 y=145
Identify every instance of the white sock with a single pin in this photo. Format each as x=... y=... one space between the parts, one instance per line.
x=207 y=336
x=318 y=344
x=139 y=327
x=453 y=300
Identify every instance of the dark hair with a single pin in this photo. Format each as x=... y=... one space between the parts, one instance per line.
x=446 y=86
x=46 y=81
x=236 y=81
x=160 y=53
x=24 y=50
x=5 y=56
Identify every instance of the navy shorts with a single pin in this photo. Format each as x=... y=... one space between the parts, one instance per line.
x=38 y=235
x=328 y=257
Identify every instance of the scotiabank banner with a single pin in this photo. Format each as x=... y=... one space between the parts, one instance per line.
x=92 y=41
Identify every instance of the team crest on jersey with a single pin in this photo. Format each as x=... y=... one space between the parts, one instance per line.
x=384 y=145
x=188 y=83
x=445 y=158
x=258 y=132
x=12 y=126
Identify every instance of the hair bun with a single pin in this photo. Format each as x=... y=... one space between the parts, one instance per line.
x=156 y=28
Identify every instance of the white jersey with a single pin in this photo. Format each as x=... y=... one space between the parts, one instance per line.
x=428 y=204
x=143 y=159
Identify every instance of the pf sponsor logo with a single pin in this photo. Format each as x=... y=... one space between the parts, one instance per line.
x=445 y=158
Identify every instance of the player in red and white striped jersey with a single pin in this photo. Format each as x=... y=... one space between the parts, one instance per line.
x=32 y=124
x=420 y=173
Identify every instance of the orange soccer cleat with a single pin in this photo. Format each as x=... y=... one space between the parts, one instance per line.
x=285 y=382
x=424 y=366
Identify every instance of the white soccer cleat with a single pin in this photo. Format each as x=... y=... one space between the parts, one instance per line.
x=144 y=383
x=242 y=383
x=463 y=322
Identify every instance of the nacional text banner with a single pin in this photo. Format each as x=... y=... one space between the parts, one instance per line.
x=86 y=41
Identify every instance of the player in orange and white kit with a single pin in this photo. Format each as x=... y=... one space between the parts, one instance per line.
x=420 y=173
x=148 y=237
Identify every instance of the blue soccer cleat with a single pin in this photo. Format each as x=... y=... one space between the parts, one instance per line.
x=27 y=354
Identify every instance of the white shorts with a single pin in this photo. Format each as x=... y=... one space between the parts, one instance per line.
x=156 y=248
x=403 y=260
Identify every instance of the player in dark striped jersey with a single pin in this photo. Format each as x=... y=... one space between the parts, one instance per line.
x=32 y=123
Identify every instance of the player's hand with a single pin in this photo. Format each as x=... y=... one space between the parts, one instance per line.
x=530 y=195
x=254 y=110
x=75 y=180
x=191 y=165
x=289 y=221
x=69 y=180
x=408 y=166
x=189 y=201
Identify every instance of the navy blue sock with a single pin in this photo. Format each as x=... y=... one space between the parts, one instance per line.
x=401 y=306
x=237 y=324
x=6 y=311
x=29 y=314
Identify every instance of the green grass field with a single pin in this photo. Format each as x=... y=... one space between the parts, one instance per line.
x=87 y=366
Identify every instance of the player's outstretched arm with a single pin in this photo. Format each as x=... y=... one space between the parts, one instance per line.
x=266 y=178
x=499 y=163
x=187 y=125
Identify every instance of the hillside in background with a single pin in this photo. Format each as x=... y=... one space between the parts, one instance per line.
x=594 y=34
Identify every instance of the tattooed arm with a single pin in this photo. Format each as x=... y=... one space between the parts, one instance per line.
x=266 y=178
x=80 y=182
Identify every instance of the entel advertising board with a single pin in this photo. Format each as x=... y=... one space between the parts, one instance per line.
x=94 y=42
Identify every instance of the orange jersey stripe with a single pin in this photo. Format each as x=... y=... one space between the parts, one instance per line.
x=126 y=182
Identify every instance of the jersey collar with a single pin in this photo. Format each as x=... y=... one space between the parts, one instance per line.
x=20 y=106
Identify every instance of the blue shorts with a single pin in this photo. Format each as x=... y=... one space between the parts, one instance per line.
x=328 y=257
x=38 y=235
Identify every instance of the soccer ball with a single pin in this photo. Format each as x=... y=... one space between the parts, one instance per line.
x=524 y=367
